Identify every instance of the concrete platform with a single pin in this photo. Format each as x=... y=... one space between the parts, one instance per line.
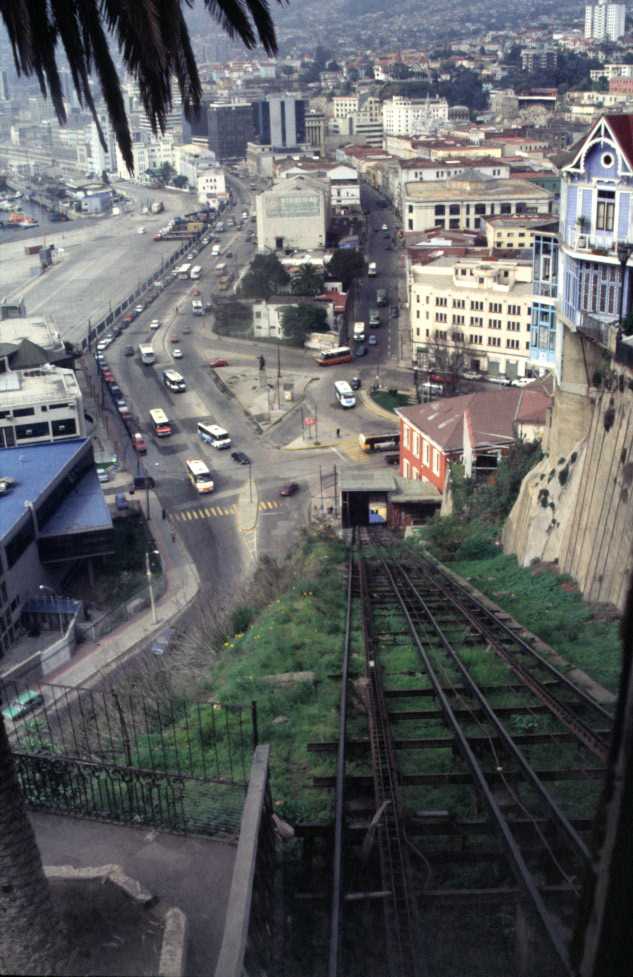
x=191 y=873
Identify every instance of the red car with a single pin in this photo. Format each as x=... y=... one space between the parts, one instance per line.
x=216 y=363
x=138 y=443
x=108 y=376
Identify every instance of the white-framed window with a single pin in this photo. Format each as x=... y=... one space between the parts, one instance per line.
x=425 y=453
x=436 y=461
x=406 y=469
x=416 y=444
x=416 y=475
x=406 y=433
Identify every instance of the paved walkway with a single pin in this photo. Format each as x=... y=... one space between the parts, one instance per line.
x=191 y=873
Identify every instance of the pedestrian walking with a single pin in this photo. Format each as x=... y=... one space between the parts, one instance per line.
x=338 y=432
x=164 y=513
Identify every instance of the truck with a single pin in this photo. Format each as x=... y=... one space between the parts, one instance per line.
x=359 y=332
x=146 y=352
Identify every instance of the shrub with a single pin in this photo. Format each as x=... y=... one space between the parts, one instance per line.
x=242 y=618
x=479 y=544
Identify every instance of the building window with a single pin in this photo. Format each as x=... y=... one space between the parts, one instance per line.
x=607 y=160
x=453 y=224
x=441 y=317
x=416 y=444
x=436 y=461
x=406 y=469
x=605 y=210
x=454 y=209
x=480 y=209
x=24 y=412
x=24 y=432
x=506 y=209
x=64 y=428
x=425 y=453
x=441 y=301
x=406 y=435
x=440 y=210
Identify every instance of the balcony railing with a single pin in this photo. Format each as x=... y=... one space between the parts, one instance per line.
x=596 y=241
x=601 y=329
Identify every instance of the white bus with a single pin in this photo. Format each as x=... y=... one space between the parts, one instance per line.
x=214 y=435
x=174 y=381
x=344 y=394
x=183 y=271
x=160 y=422
x=147 y=354
x=199 y=475
x=195 y=273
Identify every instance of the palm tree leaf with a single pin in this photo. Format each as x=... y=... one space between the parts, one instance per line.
x=153 y=41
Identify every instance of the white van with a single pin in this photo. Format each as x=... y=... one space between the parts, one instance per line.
x=371 y=270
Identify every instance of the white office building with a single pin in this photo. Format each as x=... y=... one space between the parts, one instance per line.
x=293 y=214
x=40 y=405
x=605 y=21
x=402 y=116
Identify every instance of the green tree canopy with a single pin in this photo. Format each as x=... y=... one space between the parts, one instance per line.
x=307 y=281
x=344 y=266
x=299 y=320
x=265 y=277
x=232 y=317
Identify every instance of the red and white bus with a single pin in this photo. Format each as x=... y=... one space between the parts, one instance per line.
x=160 y=422
x=331 y=357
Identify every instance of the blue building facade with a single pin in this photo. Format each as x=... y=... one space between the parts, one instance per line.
x=596 y=228
x=544 y=335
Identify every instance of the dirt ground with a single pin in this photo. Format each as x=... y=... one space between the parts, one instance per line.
x=110 y=934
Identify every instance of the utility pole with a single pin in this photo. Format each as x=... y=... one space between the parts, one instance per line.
x=278 y=377
x=148 y=574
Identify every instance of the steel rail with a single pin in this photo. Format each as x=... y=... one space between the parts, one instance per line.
x=397 y=908
x=519 y=866
x=524 y=645
x=581 y=848
x=338 y=901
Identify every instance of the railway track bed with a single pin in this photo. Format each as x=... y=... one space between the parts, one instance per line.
x=468 y=768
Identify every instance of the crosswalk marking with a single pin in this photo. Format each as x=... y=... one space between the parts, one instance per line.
x=268 y=505
x=209 y=512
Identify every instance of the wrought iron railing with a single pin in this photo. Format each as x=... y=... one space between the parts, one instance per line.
x=142 y=758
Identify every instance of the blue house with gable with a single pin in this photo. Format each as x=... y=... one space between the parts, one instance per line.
x=596 y=229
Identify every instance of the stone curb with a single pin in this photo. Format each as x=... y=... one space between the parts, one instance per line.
x=173 y=954
x=376 y=409
x=103 y=873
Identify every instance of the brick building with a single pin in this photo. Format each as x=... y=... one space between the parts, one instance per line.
x=475 y=429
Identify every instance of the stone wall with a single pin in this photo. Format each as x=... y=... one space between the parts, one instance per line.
x=575 y=507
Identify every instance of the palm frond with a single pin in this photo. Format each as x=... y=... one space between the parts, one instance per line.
x=153 y=41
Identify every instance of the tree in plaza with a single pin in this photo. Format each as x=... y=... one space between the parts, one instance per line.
x=180 y=181
x=265 y=277
x=307 y=281
x=345 y=265
x=299 y=320
x=31 y=938
x=447 y=361
x=151 y=41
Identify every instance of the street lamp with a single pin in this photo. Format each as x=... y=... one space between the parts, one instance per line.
x=624 y=251
x=148 y=574
x=59 y=613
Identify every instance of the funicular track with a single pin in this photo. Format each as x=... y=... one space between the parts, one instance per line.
x=539 y=836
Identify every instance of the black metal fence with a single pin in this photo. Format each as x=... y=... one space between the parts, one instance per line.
x=135 y=758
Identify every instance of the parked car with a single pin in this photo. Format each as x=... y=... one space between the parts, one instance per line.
x=157 y=283
x=384 y=227
x=361 y=350
x=355 y=383
x=128 y=318
x=23 y=704
x=138 y=443
x=115 y=390
x=240 y=458
x=161 y=643
x=139 y=308
x=373 y=340
x=218 y=362
x=289 y=488
x=174 y=339
x=129 y=351
x=154 y=324
x=103 y=475
x=108 y=376
x=395 y=311
x=121 y=502
x=176 y=353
